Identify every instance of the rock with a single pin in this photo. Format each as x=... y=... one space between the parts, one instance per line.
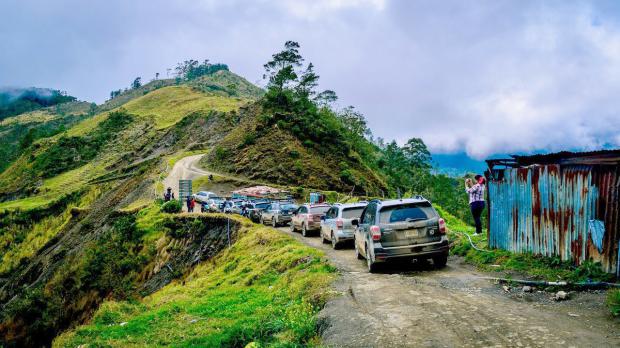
x=123 y=323
x=573 y=315
x=561 y=296
x=507 y=289
x=527 y=288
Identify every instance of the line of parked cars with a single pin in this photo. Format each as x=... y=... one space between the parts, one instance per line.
x=380 y=231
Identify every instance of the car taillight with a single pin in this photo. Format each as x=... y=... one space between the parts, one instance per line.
x=375 y=232
x=442 y=226
x=339 y=223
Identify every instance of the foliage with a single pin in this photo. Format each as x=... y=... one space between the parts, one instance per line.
x=192 y=69
x=18 y=101
x=613 y=302
x=172 y=207
x=73 y=151
x=137 y=83
x=267 y=289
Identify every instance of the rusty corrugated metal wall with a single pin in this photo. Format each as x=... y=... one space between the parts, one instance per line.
x=557 y=210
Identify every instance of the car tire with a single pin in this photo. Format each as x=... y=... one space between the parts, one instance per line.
x=335 y=243
x=440 y=261
x=323 y=239
x=373 y=267
x=304 y=230
x=357 y=251
x=293 y=227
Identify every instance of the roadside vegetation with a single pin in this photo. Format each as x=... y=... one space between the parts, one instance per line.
x=265 y=289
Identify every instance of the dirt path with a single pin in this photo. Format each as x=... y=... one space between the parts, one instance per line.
x=185 y=168
x=417 y=306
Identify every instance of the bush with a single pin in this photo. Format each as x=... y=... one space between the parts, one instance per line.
x=171 y=207
x=613 y=302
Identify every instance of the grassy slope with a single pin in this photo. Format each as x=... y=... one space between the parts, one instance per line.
x=163 y=108
x=266 y=288
x=43 y=121
x=277 y=156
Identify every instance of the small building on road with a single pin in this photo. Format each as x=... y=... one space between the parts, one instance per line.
x=563 y=204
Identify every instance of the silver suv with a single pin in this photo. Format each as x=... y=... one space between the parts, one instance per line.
x=402 y=229
x=278 y=214
x=336 y=226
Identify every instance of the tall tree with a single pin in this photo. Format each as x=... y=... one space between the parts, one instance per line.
x=137 y=83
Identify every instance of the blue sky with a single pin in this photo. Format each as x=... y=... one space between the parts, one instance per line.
x=479 y=77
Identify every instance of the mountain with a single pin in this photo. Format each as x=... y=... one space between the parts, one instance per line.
x=458 y=164
x=78 y=221
x=15 y=101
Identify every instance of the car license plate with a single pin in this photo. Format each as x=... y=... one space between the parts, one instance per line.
x=413 y=233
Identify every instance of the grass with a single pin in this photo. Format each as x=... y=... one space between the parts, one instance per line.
x=613 y=302
x=267 y=289
x=169 y=105
x=19 y=243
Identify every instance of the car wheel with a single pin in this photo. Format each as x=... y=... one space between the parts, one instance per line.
x=335 y=244
x=274 y=223
x=373 y=267
x=357 y=251
x=440 y=261
x=293 y=227
x=304 y=231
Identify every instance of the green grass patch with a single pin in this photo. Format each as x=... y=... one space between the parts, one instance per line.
x=267 y=289
x=613 y=302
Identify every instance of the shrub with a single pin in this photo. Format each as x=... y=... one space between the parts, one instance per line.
x=613 y=302
x=220 y=153
x=171 y=207
x=249 y=139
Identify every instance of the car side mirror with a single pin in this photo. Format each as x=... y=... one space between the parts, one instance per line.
x=355 y=222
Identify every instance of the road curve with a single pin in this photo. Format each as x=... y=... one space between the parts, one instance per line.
x=185 y=168
x=418 y=306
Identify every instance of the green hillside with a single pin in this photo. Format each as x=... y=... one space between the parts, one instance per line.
x=80 y=222
x=19 y=132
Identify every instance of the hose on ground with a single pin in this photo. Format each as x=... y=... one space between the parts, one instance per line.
x=472 y=242
x=592 y=285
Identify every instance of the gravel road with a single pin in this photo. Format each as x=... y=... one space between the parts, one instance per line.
x=418 y=306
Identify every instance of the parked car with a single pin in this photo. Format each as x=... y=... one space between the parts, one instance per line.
x=307 y=218
x=336 y=226
x=254 y=213
x=214 y=203
x=278 y=213
x=203 y=196
x=403 y=229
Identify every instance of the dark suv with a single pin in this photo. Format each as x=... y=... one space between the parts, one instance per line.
x=400 y=230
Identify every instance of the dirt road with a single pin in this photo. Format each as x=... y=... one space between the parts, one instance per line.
x=417 y=306
x=185 y=168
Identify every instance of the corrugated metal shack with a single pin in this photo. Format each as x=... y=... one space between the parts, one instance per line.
x=563 y=204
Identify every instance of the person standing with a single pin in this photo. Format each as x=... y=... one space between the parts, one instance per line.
x=476 y=199
x=188 y=202
x=192 y=205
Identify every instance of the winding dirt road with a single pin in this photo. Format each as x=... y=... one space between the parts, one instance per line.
x=185 y=168
x=417 y=306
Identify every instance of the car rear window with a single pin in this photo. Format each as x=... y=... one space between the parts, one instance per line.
x=289 y=207
x=262 y=205
x=406 y=212
x=352 y=213
x=319 y=210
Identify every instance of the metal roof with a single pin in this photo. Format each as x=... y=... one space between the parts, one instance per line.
x=562 y=158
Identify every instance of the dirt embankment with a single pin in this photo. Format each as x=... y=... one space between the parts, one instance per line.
x=418 y=306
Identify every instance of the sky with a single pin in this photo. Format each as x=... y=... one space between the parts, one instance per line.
x=474 y=77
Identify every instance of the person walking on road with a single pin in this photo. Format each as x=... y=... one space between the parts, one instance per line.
x=476 y=199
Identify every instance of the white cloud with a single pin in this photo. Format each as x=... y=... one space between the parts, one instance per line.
x=483 y=77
